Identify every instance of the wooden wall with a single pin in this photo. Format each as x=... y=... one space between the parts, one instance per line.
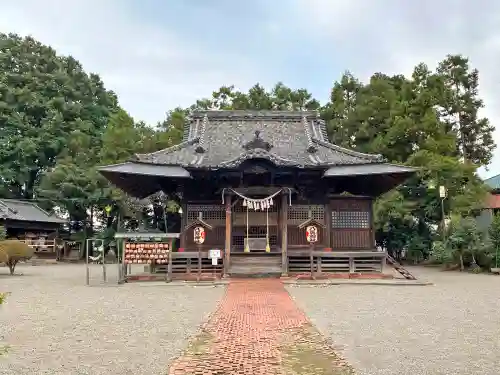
x=347 y=221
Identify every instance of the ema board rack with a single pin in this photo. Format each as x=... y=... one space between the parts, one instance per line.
x=146 y=252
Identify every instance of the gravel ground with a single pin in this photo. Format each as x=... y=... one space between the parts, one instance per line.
x=452 y=327
x=54 y=324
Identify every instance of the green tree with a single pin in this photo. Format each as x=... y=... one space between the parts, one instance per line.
x=401 y=119
x=340 y=113
x=44 y=98
x=460 y=105
x=464 y=238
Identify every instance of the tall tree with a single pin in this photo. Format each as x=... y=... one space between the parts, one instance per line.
x=44 y=98
x=460 y=106
x=339 y=112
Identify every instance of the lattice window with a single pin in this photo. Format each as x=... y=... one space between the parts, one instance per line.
x=300 y=213
x=351 y=219
x=209 y=211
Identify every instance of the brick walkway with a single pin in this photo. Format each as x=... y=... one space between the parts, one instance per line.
x=258 y=330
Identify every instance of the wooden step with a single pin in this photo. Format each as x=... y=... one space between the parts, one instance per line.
x=255 y=266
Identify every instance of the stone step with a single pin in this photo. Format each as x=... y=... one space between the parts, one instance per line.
x=247 y=265
x=248 y=259
x=252 y=269
x=255 y=264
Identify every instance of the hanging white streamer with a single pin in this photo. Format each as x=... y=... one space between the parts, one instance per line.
x=259 y=202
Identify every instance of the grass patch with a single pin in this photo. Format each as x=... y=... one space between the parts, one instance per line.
x=306 y=352
x=200 y=345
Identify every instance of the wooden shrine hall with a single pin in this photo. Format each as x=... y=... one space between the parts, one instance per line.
x=269 y=191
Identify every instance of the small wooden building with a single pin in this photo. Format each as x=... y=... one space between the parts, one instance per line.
x=28 y=222
x=262 y=185
x=491 y=206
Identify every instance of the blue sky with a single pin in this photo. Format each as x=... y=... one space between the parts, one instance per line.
x=159 y=54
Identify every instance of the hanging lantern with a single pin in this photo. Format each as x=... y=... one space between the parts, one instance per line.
x=250 y=204
x=199 y=235
x=271 y=202
x=312 y=234
x=244 y=202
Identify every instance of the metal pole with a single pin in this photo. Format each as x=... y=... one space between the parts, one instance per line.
x=118 y=246
x=103 y=263
x=87 y=271
x=165 y=218
x=443 y=220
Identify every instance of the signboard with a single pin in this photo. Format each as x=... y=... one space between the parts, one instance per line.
x=214 y=253
x=199 y=235
x=146 y=252
x=312 y=234
x=442 y=192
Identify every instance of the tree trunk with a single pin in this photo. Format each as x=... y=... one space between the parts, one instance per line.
x=12 y=266
x=462 y=262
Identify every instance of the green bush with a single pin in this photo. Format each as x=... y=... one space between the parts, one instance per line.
x=3 y=233
x=441 y=254
x=494 y=237
x=14 y=251
x=464 y=246
x=464 y=240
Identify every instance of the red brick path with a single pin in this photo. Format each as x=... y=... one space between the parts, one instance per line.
x=245 y=331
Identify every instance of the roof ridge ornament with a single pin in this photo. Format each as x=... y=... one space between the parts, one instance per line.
x=310 y=146
x=257 y=143
x=200 y=149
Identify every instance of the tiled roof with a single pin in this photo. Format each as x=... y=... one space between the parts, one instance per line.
x=224 y=139
x=493 y=182
x=13 y=209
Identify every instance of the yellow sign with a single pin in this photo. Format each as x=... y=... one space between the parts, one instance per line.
x=108 y=209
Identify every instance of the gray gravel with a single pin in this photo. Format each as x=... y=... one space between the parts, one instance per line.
x=56 y=325
x=450 y=328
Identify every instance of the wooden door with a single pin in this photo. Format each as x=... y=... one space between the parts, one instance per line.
x=352 y=224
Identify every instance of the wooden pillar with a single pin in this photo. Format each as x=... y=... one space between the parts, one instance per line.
x=311 y=259
x=383 y=263
x=372 y=225
x=284 y=235
x=169 y=266
x=184 y=217
x=227 y=247
x=198 y=278
x=328 y=225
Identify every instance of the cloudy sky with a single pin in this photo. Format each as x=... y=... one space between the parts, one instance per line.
x=157 y=54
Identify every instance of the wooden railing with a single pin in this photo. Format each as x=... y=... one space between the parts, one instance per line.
x=305 y=261
x=190 y=263
x=46 y=246
x=197 y=265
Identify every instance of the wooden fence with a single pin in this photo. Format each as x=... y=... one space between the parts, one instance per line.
x=336 y=262
x=197 y=265
x=46 y=246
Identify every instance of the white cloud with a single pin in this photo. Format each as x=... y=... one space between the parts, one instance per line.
x=154 y=69
x=151 y=68
x=393 y=36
